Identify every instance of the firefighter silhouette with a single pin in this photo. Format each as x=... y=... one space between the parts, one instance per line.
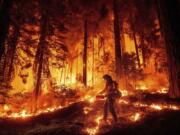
x=111 y=93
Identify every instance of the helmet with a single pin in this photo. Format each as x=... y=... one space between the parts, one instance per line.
x=107 y=77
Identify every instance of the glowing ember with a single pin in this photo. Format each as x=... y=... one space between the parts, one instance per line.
x=163 y=90
x=138 y=104
x=91 y=100
x=97 y=120
x=156 y=107
x=6 y=107
x=87 y=110
x=141 y=87
x=124 y=93
x=123 y=101
x=94 y=130
x=136 y=117
x=173 y=107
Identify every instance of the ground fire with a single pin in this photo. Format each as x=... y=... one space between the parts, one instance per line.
x=89 y=67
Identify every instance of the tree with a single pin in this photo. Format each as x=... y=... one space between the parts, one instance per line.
x=39 y=58
x=135 y=40
x=4 y=29
x=141 y=19
x=50 y=45
x=85 y=52
x=168 y=12
x=117 y=39
x=16 y=21
x=4 y=24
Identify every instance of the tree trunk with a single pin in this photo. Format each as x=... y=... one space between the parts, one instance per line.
x=13 y=50
x=135 y=43
x=85 y=54
x=169 y=22
x=3 y=63
x=117 y=39
x=39 y=58
x=93 y=57
x=4 y=27
x=4 y=24
x=143 y=50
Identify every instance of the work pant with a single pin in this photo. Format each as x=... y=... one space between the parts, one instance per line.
x=109 y=106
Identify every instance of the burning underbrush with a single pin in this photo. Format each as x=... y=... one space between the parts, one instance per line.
x=133 y=107
x=27 y=105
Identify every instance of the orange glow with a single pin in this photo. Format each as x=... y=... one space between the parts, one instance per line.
x=156 y=107
x=136 y=117
x=95 y=130
x=68 y=77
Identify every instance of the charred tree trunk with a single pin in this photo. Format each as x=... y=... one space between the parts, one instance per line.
x=136 y=48
x=135 y=43
x=85 y=54
x=143 y=49
x=93 y=57
x=4 y=24
x=117 y=39
x=13 y=45
x=39 y=58
x=169 y=20
x=4 y=27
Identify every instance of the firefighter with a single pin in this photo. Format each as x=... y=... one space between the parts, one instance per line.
x=111 y=93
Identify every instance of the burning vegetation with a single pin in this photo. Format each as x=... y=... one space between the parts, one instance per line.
x=54 y=53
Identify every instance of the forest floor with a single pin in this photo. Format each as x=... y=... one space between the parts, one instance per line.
x=152 y=114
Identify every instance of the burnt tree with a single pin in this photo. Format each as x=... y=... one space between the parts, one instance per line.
x=17 y=22
x=142 y=46
x=4 y=29
x=168 y=12
x=13 y=45
x=85 y=53
x=135 y=41
x=117 y=39
x=4 y=23
x=39 y=58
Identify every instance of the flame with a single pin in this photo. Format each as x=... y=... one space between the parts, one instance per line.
x=95 y=130
x=142 y=87
x=28 y=114
x=124 y=92
x=156 y=107
x=87 y=110
x=163 y=90
x=89 y=98
x=6 y=107
x=123 y=102
x=135 y=117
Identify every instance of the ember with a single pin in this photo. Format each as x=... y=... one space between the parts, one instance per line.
x=156 y=107
x=94 y=130
x=136 y=117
